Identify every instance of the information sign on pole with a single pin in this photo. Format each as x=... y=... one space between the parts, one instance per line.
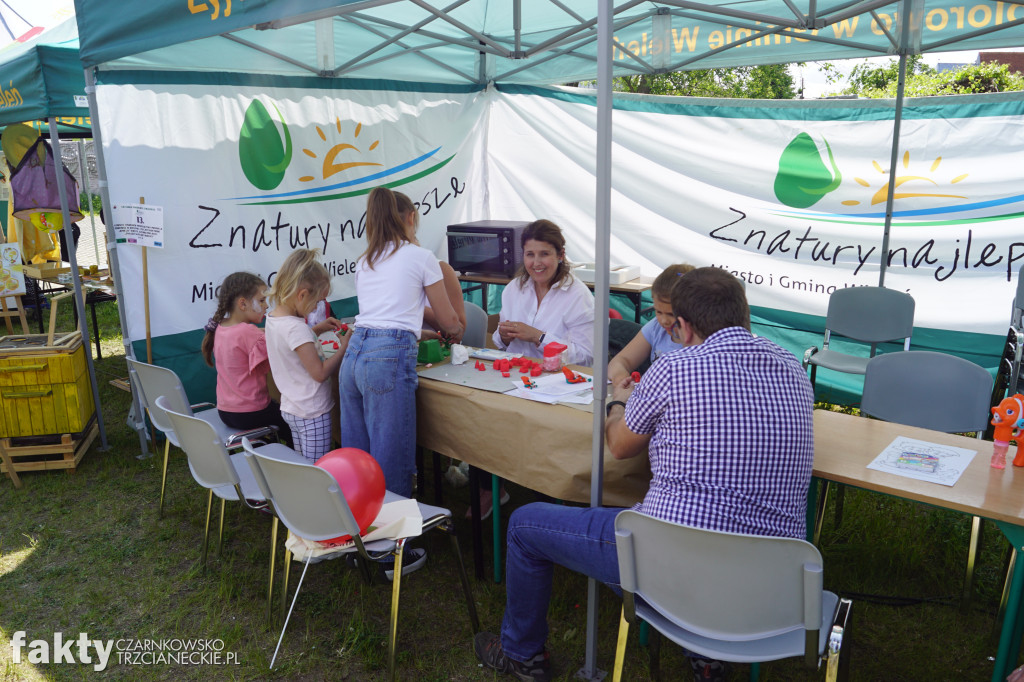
x=140 y=224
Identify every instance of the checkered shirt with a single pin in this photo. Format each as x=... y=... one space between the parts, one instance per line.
x=732 y=436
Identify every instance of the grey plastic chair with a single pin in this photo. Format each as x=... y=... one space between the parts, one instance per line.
x=476 y=326
x=727 y=596
x=308 y=500
x=152 y=382
x=869 y=315
x=934 y=391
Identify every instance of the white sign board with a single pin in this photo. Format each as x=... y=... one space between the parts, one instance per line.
x=139 y=224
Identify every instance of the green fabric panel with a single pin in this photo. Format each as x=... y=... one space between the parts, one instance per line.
x=112 y=28
x=62 y=74
x=180 y=353
x=963 y=106
x=224 y=78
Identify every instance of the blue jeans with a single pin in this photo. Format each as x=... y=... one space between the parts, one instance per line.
x=377 y=384
x=539 y=536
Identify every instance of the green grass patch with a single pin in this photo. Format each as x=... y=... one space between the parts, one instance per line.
x=85 y=552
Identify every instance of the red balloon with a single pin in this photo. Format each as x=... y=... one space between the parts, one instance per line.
x=361 y=480
x=614 y=314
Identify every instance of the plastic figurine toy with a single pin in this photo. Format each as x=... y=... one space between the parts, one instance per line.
x=572 y=377
x=1007 y=418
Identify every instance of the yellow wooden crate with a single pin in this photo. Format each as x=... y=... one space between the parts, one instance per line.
x=44 y=394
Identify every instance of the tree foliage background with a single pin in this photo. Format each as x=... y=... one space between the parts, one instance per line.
x=867 y=80
x=771 y=81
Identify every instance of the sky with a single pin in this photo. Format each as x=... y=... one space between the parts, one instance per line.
x=22 y=16
x=25 y=16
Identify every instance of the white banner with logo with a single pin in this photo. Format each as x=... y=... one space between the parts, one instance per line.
x=245 y=174
x=790 y=196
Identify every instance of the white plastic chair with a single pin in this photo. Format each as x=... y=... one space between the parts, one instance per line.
x=152 y=382
x=476 y=326
x=308 y=500
x=225 y=475
x=934 y=391
x=727 y=596
x=869 y=315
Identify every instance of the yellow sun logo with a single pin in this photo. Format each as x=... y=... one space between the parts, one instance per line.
x=330 y=164
x=880 y=196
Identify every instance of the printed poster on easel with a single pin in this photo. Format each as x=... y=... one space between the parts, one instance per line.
x=924 y=461
x=12 y=275
x=139 y=224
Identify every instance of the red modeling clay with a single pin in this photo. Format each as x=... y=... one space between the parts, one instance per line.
x=536 y=372
x=635 y=376
x=523 y=369
x=506 y=374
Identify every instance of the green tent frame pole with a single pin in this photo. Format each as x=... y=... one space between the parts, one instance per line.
x=73 y=259
x=138 y=416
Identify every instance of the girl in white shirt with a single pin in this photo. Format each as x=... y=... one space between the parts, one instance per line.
x=545 y=303
x=395 y=278
x=299 y=371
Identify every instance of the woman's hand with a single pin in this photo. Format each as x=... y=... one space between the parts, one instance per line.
x=509 y=331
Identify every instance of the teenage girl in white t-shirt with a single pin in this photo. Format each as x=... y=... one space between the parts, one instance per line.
x=299 y=371
x=395 y=279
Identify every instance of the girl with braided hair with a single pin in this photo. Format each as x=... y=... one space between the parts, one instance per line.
x=238 y=348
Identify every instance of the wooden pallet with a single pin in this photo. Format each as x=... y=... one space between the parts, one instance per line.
x=46 y=453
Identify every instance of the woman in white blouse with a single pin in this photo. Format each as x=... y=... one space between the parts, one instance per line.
x=545 y=303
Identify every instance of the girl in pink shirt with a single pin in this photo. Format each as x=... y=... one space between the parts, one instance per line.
x=239 y=349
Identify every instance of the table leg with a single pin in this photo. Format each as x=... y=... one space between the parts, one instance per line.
x=1006 y=655
x=9 y=465
x=638 y=301
x=37 y=299
x=475 y=523
x=438 y=475
x=96 y=331
x=496 y=524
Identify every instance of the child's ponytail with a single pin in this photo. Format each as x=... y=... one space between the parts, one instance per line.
x=235 y=285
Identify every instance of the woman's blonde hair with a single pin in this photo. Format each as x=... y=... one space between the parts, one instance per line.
x=385 y=227
x=302 y=269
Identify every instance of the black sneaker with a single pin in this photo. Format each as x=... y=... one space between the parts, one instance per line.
x=707 y=670
x=488 y=649
x=413 y=559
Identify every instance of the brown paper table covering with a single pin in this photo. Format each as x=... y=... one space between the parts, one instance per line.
x=546 y=448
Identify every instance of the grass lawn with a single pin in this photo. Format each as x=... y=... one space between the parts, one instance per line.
x=85 y=552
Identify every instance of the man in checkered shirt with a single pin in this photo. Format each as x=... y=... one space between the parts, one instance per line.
x=727 y=424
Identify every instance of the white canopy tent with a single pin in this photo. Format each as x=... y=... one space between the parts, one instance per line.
x=476 y=44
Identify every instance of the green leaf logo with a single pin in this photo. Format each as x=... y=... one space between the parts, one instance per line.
x=803 y=177
x=263 y=156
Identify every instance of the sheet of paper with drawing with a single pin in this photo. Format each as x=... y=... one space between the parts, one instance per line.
x=552 y=388
x=923 y=461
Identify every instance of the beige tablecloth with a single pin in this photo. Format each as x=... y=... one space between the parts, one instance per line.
x=542 y=447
